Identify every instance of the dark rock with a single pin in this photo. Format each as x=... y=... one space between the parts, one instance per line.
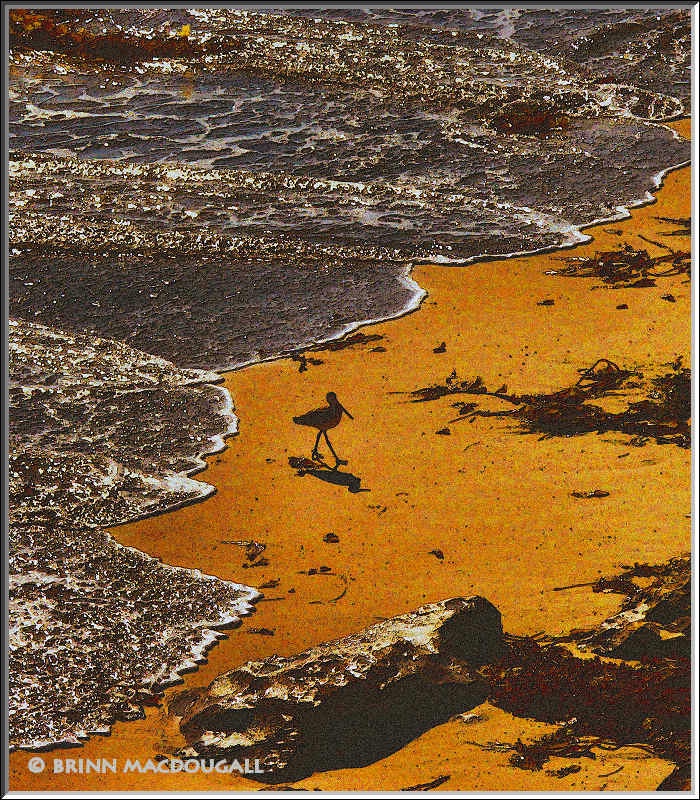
x=444 y=432
x=353 y=701
x=331 y=538
x=677 y=781
x=672 y=607
x=645 y=641
x=668 y=297
x=179 y=703
x=622 y=307
x=441 y=348
x=545 y=303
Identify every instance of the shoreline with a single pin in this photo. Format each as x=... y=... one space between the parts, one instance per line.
x=420 y=294
x=153 y=537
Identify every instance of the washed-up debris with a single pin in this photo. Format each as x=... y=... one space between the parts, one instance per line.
x=593 y=493
x=560 y=744
x=379 y=349
x=426 y=787
x=669 y=298
x=438 y=554
x=547 y=302
x=622 y=307
x=302 y=464
x=353 y=340
x=609 y=704
x=272 y=584
x=252 y=548
x=331 y=538
x=443 y=432
x=628 y=267
x=261 y=631
x=441 y=348
x=304 y=361
x=284 y=789
x=470 y=718
x=664 y=415
x=452 y=385
x=464 y=408
x=261 y=562
x=323 y=570
x=335 y=599
x=614 y=772
x=682 y=222
x=654 y=620
x=352 y=701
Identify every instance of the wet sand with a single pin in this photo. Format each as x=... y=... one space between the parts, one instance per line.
x=496 y=502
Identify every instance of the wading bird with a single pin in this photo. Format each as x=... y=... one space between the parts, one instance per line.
x=324 y=419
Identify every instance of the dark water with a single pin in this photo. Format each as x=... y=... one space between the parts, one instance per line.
x=327 y=152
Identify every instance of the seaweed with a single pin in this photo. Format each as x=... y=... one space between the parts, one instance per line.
x=663 y=415
x=627 y=267
x=426 y=787
x=607 y=704
x=33 y=30
x=682 y=222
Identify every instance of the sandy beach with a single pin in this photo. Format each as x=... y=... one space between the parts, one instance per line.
x=495 y=501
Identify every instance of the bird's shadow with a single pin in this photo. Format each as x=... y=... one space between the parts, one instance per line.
x=335 y=476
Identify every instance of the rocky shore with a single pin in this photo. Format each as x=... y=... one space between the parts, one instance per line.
x=353 y=701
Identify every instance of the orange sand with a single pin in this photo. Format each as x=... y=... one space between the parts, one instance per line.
x=497 y=503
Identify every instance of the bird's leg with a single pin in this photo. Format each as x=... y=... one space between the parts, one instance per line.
x=314 y=453
x=335 y=455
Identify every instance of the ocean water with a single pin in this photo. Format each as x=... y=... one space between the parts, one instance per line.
x=314 y=157
x=272 y=189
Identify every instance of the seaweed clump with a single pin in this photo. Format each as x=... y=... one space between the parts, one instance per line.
x=628 y=267
x=608 y=704
x=34 y=30
x=663 y=415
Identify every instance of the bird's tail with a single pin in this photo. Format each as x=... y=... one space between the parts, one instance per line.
x=297 y=420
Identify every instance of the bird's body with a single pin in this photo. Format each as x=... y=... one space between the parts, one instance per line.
x=323 y=419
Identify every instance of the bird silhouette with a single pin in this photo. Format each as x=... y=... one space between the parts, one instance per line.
x=323 y=419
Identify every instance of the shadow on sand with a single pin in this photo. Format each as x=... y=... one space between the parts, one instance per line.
x=324 y=472
x=335 y=476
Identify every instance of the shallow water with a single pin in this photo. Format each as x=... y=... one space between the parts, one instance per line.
x=341 y=149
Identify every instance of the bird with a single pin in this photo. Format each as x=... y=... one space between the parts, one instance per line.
x=324 y=419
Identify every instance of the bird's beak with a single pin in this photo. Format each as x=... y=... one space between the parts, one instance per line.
x=342 y=408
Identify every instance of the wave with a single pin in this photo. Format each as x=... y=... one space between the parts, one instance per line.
x=102 y=434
